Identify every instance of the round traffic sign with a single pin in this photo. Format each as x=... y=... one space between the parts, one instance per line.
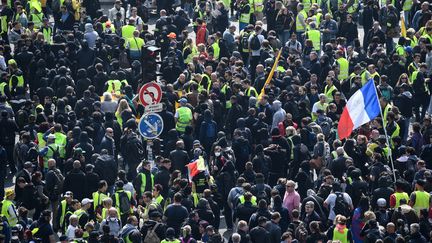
x=150 y=93
x=151 y=125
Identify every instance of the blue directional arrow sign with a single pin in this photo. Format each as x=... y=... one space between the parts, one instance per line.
x=151 y=125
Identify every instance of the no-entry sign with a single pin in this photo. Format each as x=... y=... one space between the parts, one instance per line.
x=150 y=94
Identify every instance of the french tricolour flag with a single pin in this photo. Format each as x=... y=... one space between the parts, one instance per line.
x=361 y=108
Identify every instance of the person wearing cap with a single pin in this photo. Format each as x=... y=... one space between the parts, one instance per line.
x=183 y=116
x=128 y=30
x=8 y=208
x=383 y=215
x=16 y=80
x=419 y=199
x=64 y=206
x=244 y=11
x=144 y=181
x=42 y=229
x=82 y=211
x=50 y=151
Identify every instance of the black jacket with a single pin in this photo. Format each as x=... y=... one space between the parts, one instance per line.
x=259 y=235
x=53 y=182
x=179 y=159
x=275 y=232
x=244 y=211
x=92 y=184
x=75 y=182
x=108 y=144
x=163 y=177
x=8 y=128
x=106 y=168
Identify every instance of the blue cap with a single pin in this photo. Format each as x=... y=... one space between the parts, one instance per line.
x=183 y=101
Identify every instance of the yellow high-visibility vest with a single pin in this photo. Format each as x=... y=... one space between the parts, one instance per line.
x=136 y=43
x=184 y=118
x=421 y=201
x=315 y=37
x=12 y=219
x=299 y=27
x=20 y=81
x=127 y=31
x=399 y=196
x=216 y=50
x=328 y=91
x=343 y=68
x=2 y=88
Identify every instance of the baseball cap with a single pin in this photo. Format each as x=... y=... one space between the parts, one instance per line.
x=68 y=194
x=86 y=201
x=172 y=35
x=183 y=100
x=381 y=202
x=79 y=151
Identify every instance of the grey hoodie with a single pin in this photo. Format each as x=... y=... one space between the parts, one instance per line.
x=90 y=35
x=279 y=114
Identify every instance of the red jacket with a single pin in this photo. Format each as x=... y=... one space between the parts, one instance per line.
x=201 y=35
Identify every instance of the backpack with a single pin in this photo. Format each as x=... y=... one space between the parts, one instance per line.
x=341 y=206
x=245 y=40
x=56 y=153
x=255 y=43
x=211 y=130
x=124 y=202
x=58 y=187
x=151 y=236
x=261 y=193
x=326 y=127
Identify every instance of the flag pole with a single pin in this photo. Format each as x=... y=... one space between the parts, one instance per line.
x=385 y=133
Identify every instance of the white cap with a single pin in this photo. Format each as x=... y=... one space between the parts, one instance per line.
x=381 y=202
x=86 y=201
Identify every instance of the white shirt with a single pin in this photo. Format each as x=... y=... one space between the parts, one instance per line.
x=70 y=232
x=261 y=39
x=331 y=201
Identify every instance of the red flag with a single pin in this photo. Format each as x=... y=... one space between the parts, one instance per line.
x=193 y=169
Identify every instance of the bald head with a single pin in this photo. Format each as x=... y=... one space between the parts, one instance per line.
x=76 y=164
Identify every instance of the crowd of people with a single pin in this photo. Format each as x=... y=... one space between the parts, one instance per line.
x=249 y=150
